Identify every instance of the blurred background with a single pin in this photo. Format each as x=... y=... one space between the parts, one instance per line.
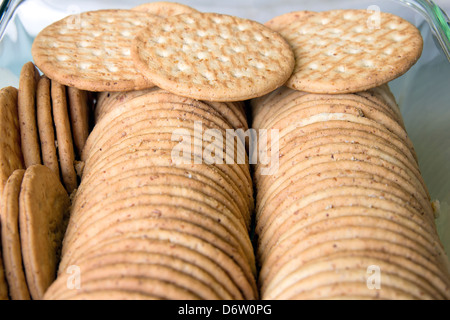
x=423 y=93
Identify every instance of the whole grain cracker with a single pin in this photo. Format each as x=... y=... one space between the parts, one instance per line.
x=46 y=126
x=29 y=77
x=79 y=117
x=44 y=205
x=402 y=267
x=154 y=215
x=3 y=284
x=157 y=271
x=342 y=51
x=242 y=278
x=12 y=253
x=164 y=9
x=244 y=60
x=11 y=157
x=91 y=51
x=189 y=209
x=64 y=137
x=221 y=280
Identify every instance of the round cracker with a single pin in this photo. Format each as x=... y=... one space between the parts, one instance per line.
x=46 y=126
x=26 y=103
x=11 y=157
x=245 y=60
x=346 y=55
x=64 y=136
x=90 y=37
x=44 y=205
x=11 y=247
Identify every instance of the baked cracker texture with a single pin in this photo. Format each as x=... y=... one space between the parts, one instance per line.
x=213 y=57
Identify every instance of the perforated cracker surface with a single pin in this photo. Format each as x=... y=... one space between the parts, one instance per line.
x=91 y=51
x=213 y=57
x=343 y=51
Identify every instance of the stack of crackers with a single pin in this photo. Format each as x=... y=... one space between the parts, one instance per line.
x=163 y=208
x=346 y=214
x=147 y=221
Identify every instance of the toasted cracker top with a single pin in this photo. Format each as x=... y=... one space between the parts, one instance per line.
x=91 y=51
x=345 y=51
x=213 y=57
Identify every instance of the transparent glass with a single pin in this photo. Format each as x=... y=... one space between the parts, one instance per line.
x=423 y=93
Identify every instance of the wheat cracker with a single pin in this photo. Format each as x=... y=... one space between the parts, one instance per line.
x=245 y=60
x=91 y=51
x=12 y=253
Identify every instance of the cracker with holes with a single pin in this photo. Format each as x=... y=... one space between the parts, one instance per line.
x=343 y=51
x=91 y=51
x=213 y=57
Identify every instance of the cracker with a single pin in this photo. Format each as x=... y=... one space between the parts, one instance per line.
x=279 y=22
x=220 y=281
x=11 y=157
x=64 y=136
x=44 y=205
x=45 y=125
x=396 y=254
x=164 y=9
x=79 y=117
x=29 y=77
x=342 y=51
x=92 y=51
x=12 y=253
x=245 y=59
x=142 y=254
x=242 y=278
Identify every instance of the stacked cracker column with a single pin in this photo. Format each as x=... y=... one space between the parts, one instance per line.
x=345 y=214
x=143 y=225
